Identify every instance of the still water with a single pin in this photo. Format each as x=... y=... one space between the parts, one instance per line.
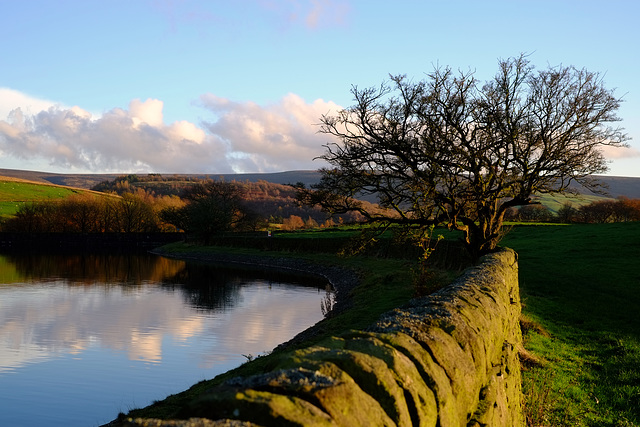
x=85 y=337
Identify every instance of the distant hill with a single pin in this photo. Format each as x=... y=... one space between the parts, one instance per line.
x=617 y=186
x=88 y=181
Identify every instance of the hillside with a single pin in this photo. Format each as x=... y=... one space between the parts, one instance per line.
x=16 y=191
x=88 y=181
x=617 y=186
x=271 y=201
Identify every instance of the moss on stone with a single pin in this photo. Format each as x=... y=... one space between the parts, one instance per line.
x=448 y=359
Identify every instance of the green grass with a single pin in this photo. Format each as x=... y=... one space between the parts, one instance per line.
x=554 y=202
x=581 y=284
x=15 y=193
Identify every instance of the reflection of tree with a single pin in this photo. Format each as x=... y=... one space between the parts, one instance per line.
x=88 y=269
x=215 y=287
x=204 y=286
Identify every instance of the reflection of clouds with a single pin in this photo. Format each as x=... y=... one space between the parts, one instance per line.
x=145 y=346
x=186 y=328
x=38 y=322
x=263 y=320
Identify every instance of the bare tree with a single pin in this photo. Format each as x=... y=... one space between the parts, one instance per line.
x=451 y=150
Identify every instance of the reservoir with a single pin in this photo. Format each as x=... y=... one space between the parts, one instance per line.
x=84 y=337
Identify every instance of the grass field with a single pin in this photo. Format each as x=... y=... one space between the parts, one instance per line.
x=14 y=193
x=581 y=293
x=554 y=202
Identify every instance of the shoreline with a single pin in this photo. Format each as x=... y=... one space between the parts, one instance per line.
x=342 y=280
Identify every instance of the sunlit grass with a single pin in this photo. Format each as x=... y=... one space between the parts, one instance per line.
x=14 y=194
x=554 y=202
x=581 y=284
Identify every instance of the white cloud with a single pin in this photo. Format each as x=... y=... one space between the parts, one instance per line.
x=10 y=99
x=281 y=136
x=148 y=112
x=620 y=152
x=241 y=137
x=120 y=140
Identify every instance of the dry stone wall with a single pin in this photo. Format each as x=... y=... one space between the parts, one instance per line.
x=446 y=360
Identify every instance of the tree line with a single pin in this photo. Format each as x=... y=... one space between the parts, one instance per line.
x=206 y=208
x=129 y=213
x=275 y=202
x=601 y=211
x=202 y=208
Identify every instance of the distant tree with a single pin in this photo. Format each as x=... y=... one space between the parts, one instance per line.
x=627 y=210
x=212 y=207
x=567 y=213
x=294 y=222
x=595 y=212
x=452 y=150
x=311 y=223
x=535 y=213
x=136 y=215
x=109 y=220
x=28 y=218
x=328 y=223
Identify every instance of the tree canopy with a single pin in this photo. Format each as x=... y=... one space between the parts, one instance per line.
x=452 y=150
x=212 y=208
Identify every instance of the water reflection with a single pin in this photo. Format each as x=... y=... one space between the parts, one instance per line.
x=89 y=268
x=186 y=320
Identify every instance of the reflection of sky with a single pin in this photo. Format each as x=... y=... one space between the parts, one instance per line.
x=263 y=322
x=40 y=321
x=129 y=345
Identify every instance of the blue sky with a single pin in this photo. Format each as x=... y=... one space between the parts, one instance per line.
x=175 y=86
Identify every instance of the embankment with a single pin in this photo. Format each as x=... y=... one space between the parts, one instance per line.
x=449 y=359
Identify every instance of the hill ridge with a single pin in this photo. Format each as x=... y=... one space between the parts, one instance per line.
x=617 y=185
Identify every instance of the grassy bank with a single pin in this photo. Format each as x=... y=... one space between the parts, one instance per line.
x=384 y=284
x=581 y=295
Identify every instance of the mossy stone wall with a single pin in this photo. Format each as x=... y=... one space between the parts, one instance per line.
x=448 y=360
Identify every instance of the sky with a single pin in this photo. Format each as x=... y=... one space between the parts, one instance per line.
x=217 y=86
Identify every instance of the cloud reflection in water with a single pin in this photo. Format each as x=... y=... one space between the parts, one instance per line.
x=41 y=319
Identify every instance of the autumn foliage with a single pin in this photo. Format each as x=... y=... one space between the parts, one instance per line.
x=90 y=214
x=150 y=203
x=145 y=204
